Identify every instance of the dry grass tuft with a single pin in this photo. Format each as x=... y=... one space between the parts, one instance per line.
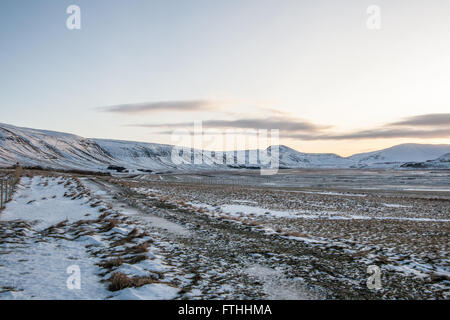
x=81 y=222
x=111 y=223
x=102 y=217
x=96 y=204
x=62 y=224
x=140 y=248
x=133 y=233
x=137 y=259
x=109 y=264
x=119 y=281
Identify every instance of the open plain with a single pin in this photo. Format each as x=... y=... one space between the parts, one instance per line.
x=300 y=234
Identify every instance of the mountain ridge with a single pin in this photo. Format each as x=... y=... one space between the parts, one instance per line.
x=59 y=150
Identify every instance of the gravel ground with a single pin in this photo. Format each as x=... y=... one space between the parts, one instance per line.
x=203 y=237
x=321 y=252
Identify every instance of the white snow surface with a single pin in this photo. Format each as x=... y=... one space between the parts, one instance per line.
x=34 y=202
x=39 y=269
x=400 y=154
x=40 y=272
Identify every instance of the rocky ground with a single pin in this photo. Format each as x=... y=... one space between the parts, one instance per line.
x=321 y=240
x=191 y=240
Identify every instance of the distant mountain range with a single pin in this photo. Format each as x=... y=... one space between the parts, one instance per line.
x=56 y=150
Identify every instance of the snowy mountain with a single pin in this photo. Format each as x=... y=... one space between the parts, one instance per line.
x=290 y=158
x=150 y=156
x=443 y=162
x=49 y=149
x=56 y=150
x=445 y=158
x=398 y=155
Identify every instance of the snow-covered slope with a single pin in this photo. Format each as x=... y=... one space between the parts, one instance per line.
x=290 y=158
x=398 y=155
x=443 y=162
x=287 y=158
x=147 y=156
x=444 y=158
x=49 y=149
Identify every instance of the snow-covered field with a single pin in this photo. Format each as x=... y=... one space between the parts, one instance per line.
x=54 y=226
x=171 y=238
x=37 y=269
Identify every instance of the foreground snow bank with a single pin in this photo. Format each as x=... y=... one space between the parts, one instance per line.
x=155 y=291
x=42 y=201
x=37 y=267
x=55 y=235
x=40 y=271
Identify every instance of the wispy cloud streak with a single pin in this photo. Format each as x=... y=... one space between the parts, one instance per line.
x=162 y=106
x=247 y=123
x=426 y=120
x=376 y=134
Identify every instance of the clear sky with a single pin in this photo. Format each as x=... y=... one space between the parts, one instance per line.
x=137 y=69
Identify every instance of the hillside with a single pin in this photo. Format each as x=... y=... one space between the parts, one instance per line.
x=443 y=162
x=399 y=154
x=57 y=150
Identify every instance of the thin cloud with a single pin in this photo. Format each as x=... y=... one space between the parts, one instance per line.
x=209 y=132
x=425 y=120
x=376 y=134
x=162 y=106
x=248 y=123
